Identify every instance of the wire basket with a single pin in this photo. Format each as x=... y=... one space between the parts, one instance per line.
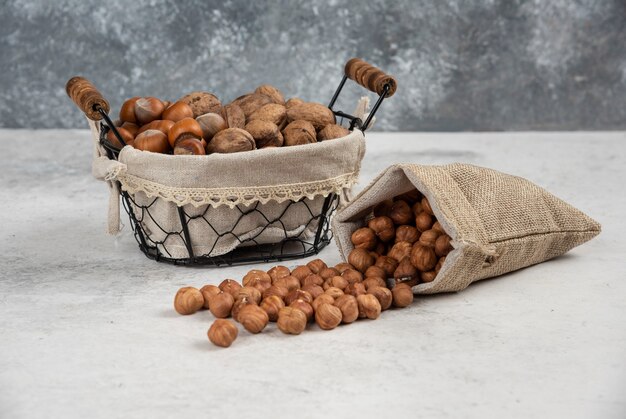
x=193 y=235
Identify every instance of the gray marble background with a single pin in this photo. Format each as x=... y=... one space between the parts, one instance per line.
x=460 y=65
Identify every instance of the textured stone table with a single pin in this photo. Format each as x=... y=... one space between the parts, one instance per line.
x=88 y=330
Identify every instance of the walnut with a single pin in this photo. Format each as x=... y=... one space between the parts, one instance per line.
x=331 y=132
x=231 y=140
x=265 y=134
x=299 y=132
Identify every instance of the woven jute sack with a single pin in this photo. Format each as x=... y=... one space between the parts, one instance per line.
x=498 y=222
x=230 y=198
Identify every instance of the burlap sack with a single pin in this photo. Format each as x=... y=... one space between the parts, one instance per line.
x=498 y=222
x=232 y=195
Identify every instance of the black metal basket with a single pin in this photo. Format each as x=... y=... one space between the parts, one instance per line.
x=249 y=250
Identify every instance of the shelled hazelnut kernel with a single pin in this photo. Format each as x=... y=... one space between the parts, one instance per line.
x=250 y=293
x=253 y=318
x=423 y=257
x=291 y=321
x=364 y=238
x=272 y=306
x=328 y=316
x=401 y=213
x=305 y=307
x=323 y=298
x=402 y=295
x=316 y=265
x=384 y=296
x=361 y=259
x=383 y=227
x=278 y=272
x=349 y=308
x=222 y=333
x=369 y=306
x=221 y=304
x=298 y=294
x=301 y=272
x=207 y=291
x=230 y=286
x=314 y=290
x=188 y=300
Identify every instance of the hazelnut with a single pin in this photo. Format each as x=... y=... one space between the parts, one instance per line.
x=440 y=263
x=272 y=305
x=400 y=250
x=298 y=133
x=255 y=277
x=238 y=305
x=314 y=290
x=291 y=320
x=207 y=291
x=152 y=140
x=380 y=249
x=416 y=208
x=401 y=213
x=426 y=206
x=188 y=300
x=407 y=234
x=177 y=111
x=265 y=134
x=189 y=147
x=147 y=109
x=329 y=273
x=383 y=295
x=159 y=124
x=423 y=257
x=328 y=316
x=290 y=282
x=250 y=293
x=361 y=259
x=305 y=307
x=211 y=124
x=230 y=286
x=383 y=209
x=355 y=289
x=298 y=295
x=383 y=228
x=388 y=264
x=316 y=265
x=277 y=290
x=221 y=304
x=301 y=272
x=127 y=111
x=271 y=92
x=423 y=221
x=443 y=245
x=334 y=292
x=405 y=270
x=231 y=140
x=410 y=197
x=437 y=226
x=429 y=237
x=374 y=282
x=279 y=271
x=349 y=308
x=428 y=276
x=375 y=272
x=312 y=279
x=341 y=267
x=124 y=133
x=323 y=298
x=368 y=306
x=339 y=282
x=185 y=128
x=364 y=238
x=131 y=128
x=352 y=276
x=402 y=295
x=222 y=333
x=253 y=318
x=331 y=132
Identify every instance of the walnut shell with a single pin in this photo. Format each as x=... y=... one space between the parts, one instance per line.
x=265 y=134
x=331 y=132
x=231 y=140
x=317 y=114
x=234 y=116
x=201 y=103
x=272 y=112
x=293 y=102
x=251 y=102
x=272 y=92
x=299 y=132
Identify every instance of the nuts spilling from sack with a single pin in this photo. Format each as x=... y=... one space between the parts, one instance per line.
x=199 y=124
x=328 y=296
x=403 y=241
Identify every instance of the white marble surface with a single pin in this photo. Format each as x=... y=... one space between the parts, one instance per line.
x=88 y=330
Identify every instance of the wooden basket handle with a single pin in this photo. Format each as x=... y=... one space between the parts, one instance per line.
x=86 y=97
x=370 y=77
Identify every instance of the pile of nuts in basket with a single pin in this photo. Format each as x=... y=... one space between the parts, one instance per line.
x=199 y=124
x=403 y=241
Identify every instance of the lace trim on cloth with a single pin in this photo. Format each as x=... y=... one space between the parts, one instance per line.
x=238 y=196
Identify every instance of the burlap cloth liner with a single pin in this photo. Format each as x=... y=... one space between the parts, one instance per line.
x=498 y=222
x=267 y=179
